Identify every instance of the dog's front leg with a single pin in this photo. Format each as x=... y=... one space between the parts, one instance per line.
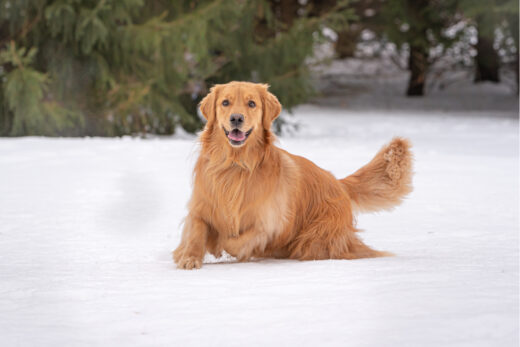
x=191 y=251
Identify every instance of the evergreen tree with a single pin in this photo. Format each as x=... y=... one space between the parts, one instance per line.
x=420 y=24
x=513 y=29
x=488 y=16
x=366 y=12
x=114 y=67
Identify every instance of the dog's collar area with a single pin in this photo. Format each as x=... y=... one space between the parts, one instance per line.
x=237 y=137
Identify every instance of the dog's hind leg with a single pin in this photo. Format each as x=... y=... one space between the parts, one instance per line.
x=243 y=246
x=334 y=243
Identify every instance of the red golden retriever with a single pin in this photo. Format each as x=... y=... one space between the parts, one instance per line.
x=253 y=199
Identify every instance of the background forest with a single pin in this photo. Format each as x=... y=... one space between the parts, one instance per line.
x=111 y=68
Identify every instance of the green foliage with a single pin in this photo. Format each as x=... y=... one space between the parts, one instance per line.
x=24 y=89
x=489 y=15
x=419 y=23
x=423 y=26
x=85 y=67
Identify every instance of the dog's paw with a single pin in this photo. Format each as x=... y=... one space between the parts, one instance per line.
x=189 y=263
x=177 y=254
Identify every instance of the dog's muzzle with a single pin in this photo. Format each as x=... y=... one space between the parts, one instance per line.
x=236 y=136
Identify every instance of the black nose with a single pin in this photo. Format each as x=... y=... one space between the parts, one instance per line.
x=236 y=120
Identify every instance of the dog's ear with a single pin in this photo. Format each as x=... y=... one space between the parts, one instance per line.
x=207 y=104
x=272 y=107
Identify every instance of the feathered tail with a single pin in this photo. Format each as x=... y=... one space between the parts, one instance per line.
x=384 y=181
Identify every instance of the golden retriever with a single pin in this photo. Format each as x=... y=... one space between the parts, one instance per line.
x=253 y=199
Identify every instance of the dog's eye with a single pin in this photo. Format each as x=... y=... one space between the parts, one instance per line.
x=225 y=103
x=252 y=104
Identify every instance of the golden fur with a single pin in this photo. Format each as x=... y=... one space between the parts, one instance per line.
x=257 y=200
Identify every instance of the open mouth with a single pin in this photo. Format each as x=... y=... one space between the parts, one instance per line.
x=237 y=137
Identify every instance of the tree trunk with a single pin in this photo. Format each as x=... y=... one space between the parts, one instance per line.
x=346 y=44
x=487 y=62
x=287 y=11
x=418 y=65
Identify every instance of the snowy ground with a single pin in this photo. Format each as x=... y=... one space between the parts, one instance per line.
x=87 y=226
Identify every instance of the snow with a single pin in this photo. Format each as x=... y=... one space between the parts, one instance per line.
x=87 y=226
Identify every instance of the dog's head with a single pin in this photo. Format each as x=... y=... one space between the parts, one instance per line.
x=240 y=111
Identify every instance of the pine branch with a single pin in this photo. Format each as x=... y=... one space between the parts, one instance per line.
x=24 y=30
x=160 y=25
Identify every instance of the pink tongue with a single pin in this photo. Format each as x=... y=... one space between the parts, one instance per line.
x=236 y=135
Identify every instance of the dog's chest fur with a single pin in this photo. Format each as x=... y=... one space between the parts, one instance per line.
x=253 y=202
